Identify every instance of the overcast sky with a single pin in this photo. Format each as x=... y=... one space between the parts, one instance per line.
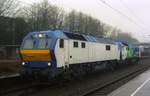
x=137 y=10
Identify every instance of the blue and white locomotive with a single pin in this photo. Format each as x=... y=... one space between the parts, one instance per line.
x=51 y=53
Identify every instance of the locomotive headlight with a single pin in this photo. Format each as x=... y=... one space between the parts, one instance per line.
x=49 y=64
x=23 y=63
x=40 y=35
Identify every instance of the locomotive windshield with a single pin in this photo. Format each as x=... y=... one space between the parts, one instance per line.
x=28 y=44
x=44 y=43
x=39 y=43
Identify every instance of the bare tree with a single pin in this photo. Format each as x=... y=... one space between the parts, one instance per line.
x=43 y=15
x=82 y=23
x=117 y=34
x=9 y=8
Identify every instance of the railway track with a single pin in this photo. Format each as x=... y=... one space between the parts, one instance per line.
x=98 y=85
x=110 y=86
x=8 y=81
x=25 y=88
x=106 y=83
x=14 y=85
x=21 y=87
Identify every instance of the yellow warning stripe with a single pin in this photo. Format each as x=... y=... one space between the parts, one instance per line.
x=35 y=55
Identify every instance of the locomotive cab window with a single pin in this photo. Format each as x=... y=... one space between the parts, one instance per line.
x=108 y=48
x=44 y=43
x=75 y=44
x=28 y=44
x=83 y=45
x=61 y=43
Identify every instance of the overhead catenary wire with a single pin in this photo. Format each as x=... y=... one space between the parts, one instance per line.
x=132 y=12
x=134 y=15
x=129 y=9
x=124 y=15
x=119 y=12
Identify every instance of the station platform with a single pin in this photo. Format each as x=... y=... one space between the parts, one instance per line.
x=139 y=86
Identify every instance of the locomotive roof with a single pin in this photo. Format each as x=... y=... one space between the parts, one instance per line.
x=76 y=36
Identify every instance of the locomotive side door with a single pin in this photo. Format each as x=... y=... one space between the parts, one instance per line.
x=66 y=52
x=74 y=52
x=70 y=51
x=61 y=52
